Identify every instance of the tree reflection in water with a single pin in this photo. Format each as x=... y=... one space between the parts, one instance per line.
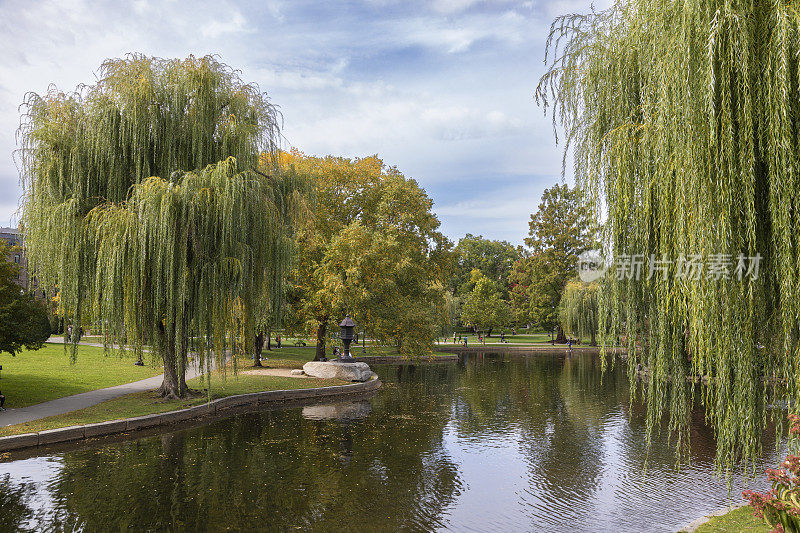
x=271 y=471
x=493 y=443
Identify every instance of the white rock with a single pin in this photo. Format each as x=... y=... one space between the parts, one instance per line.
x=338 y=411
x=296 y=372
x=335 y=369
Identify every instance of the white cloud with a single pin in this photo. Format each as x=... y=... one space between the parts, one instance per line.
x=554 y=8
x=216 y=28
x=443 y=90
x=452 y=6
x=501 y=213
x=459 y=35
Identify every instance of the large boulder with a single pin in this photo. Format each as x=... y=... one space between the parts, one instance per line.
x=338 y=370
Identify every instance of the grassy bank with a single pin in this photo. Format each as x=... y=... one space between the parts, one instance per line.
x=146 y=403
x=94 y=370
x=295 y=357
x=741 y=519
x=38 y=376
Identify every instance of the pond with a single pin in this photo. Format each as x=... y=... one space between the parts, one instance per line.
x=493 y=443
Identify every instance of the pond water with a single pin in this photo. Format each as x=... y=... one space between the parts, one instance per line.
x=493 y=443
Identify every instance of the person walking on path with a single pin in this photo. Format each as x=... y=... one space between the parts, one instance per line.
x=2 y=401
x=278 y=340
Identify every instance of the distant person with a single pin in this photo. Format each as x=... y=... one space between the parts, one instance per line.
x=278 y=340
x=69 y=333
x=454 y=337
x=2 y=401
x=465 y=341
x=502 y=336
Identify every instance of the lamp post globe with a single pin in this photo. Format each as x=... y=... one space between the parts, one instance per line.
x=346 y=334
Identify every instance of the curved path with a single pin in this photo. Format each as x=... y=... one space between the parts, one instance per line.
x=84 y=399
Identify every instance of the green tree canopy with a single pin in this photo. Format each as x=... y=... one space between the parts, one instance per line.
x=519 y=282
x=578 y=310
x=683 y=117
x=493 y=258
x=484 y=309
x=558 y=233
x=150 y=201
x=23 y=318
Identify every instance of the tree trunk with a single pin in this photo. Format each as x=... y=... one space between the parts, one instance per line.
x=171 y=385
x=259 y=347
x=269 y=341
x=594 y=339
x=319 y=355
x=175 y=359
x=184 y=363
x=560 y=337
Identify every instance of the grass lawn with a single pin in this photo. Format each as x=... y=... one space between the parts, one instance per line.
x=46 y=374
x=145 y=403
x=741 y=519
x=38 y=376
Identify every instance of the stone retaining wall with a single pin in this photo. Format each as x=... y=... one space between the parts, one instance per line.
x=221 y=406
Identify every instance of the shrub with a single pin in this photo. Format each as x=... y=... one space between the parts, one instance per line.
x=780 y=506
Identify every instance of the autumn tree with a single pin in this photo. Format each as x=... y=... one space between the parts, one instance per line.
x=372 y=249
x=152 y=201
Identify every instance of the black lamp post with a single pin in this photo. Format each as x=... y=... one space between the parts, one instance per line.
x=346 y=335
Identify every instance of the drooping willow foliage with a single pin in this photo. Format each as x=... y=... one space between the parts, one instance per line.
x=151 y=202
x=683 y=117
x=578 y=310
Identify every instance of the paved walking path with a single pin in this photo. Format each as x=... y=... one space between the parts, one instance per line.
x=84 y=399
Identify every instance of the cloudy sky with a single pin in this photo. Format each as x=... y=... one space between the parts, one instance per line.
x=442 y=89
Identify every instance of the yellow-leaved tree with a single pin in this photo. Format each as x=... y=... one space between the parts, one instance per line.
x=372 y=250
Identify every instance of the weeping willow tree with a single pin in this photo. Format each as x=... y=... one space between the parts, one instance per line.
x=578 y=309
x=152 y=203
x=683 y=120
